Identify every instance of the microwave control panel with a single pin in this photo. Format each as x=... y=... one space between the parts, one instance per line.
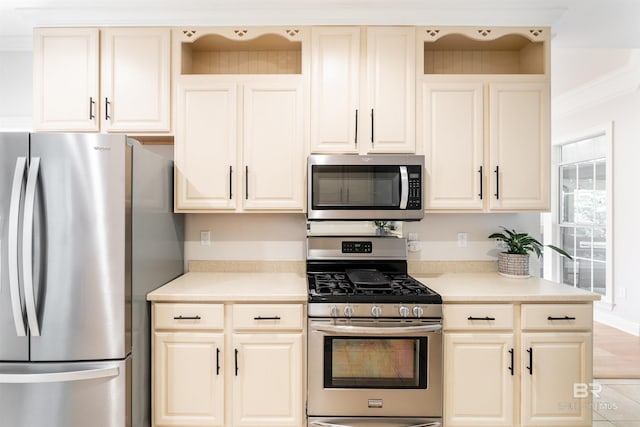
x=415 y=188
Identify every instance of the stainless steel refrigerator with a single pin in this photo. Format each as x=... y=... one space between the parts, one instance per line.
x=86 y=230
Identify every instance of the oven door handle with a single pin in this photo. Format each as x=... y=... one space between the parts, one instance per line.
x=323 y=424
x=374 y=330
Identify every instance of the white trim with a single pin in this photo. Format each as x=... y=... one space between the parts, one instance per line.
x=609 y=319
x=612 y=85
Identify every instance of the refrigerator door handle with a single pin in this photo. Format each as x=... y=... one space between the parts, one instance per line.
x=27 y=247
x=14 y=222
x=57 y=377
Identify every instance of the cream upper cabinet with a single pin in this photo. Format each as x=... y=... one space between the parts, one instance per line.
x=363 y=90
x=242 y=119
x=483 y=121
x=109 y=80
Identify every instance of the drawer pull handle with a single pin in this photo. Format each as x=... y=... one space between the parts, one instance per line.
x=181 y=317
x=561 y=318
x=267 y=318
x=481 y=318
x=511 y=367
x=530 y=367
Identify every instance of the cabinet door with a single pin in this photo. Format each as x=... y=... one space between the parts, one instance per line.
x=274 y=144
x=188 y=379
x=452 y=128
x=391 y=85
x=135 y=79
x=267 y=388
x=519 y=146
x=479 y=386
x=65 y=79
x=335 y=89
x=205 y=144
x=559 y=363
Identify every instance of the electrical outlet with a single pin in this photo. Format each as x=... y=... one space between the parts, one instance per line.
x=205 y=238
x=462 y=240
x=412 y=237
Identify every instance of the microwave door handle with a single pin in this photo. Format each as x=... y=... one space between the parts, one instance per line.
x=404 y=187
x=374 y=330
x=14 y=221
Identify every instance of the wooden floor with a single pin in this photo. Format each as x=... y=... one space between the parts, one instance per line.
x=616 y=354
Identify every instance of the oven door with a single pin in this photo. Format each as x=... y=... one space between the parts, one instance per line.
x=371 y=368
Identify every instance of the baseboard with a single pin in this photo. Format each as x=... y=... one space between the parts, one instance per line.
x=617 y=322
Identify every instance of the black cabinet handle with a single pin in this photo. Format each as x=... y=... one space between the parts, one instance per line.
x=355 y=138
x=236 y=360
x=267 y=318
x=181 y=317
x=246 y=182
x=481 y=318
x=511 y=367
x=372 y=127
x=230 y=182
x=92 y=103
x=561 y=318
x=217 y=361
x=480 y=172
x=106 y=109
x=497 y=171
x=530 y=367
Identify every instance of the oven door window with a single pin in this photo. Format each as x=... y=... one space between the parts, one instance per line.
x=361 y=187
x=375 y=362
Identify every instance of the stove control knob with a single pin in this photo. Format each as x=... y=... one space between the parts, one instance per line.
x=404 y=311
x=348 y=311
x=334 y=311
x=417 y=311
x=376 y=311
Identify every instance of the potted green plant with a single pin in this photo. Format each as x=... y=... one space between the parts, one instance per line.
x=382 y=227
x=514 y=262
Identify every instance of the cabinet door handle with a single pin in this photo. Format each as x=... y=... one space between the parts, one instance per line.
x=235 y=355
x=355 y=138
x=230 y=182
x=106 y=109
x=181 y=317
x=497 y=171
x=92 y=103
x=561 y=318
x=480 y=172
x=530 y=367
x=372 y=127
x=217 y=361
x=246 y=182
x=511 y=366
x=267 y=318
x=481 y=318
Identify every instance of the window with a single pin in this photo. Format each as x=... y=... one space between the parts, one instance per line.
x=583 y=214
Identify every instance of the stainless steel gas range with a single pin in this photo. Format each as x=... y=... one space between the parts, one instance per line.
x=375 y=336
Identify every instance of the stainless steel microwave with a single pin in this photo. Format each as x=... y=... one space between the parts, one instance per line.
x=370 y=187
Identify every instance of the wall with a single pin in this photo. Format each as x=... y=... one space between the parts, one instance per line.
x=15 y=90
x=615 y=98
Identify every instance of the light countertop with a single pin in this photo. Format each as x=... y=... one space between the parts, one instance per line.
x=233 y=287
x=492 y=287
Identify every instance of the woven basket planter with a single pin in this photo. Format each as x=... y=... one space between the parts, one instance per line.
x=513 y=265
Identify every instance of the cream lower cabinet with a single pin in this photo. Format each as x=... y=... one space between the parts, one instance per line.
x=499 y=374
x=233 y=365
x=486 y=143
x=240 y=144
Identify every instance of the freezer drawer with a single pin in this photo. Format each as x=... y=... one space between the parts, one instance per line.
x=65 y=394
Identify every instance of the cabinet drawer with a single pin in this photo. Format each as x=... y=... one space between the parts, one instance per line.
x=557 y=316
x=188 y=316
x=267 y=316
x=478 y=316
